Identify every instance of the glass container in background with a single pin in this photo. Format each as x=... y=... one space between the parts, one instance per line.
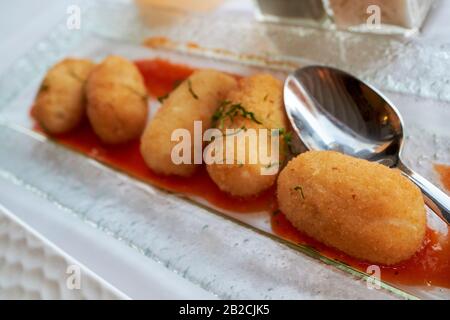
x=379 y=16
x=376 y=16
x=301 y=12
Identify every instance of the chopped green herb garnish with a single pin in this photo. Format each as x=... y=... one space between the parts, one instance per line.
x=243 y=128
x=136 y=92
x=43 y=87
x=75 y=76
x=162 y=98
x=218 y=114
x=230 y=111
x=287 y=138
x=270 y=165
x=176 y=83
x=191 y=90
x=299 y=188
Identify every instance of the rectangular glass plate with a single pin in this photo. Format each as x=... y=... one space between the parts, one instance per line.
x=221 y=256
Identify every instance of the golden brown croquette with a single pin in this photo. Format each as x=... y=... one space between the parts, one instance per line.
x=60 y=103
x=362 y=208
x=117 y=100
x=195 y=99
x=261 y=98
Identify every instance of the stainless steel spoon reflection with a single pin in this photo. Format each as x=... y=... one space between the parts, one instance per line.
x=333 y=110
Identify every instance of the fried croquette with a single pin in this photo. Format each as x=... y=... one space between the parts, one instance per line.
x=60 y=103
x=195 y=99
x=117 y=101
x=259 y=105
x=362 y=208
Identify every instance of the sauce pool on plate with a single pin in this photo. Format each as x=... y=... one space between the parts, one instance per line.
x=429 y=266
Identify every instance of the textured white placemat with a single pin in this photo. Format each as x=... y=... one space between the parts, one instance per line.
x=31 y=267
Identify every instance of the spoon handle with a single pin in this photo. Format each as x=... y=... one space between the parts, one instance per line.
x=434 y=197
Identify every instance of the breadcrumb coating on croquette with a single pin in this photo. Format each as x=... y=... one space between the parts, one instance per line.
x=261 y=96
x=195 y=99
x=60 y=102
x=117 y=100
x=362 y=208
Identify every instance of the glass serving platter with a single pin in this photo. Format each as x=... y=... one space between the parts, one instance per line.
x=232 y=255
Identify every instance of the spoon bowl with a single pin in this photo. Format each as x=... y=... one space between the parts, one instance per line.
x=330 y=109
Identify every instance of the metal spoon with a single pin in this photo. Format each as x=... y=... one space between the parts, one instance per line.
x=333 y=110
